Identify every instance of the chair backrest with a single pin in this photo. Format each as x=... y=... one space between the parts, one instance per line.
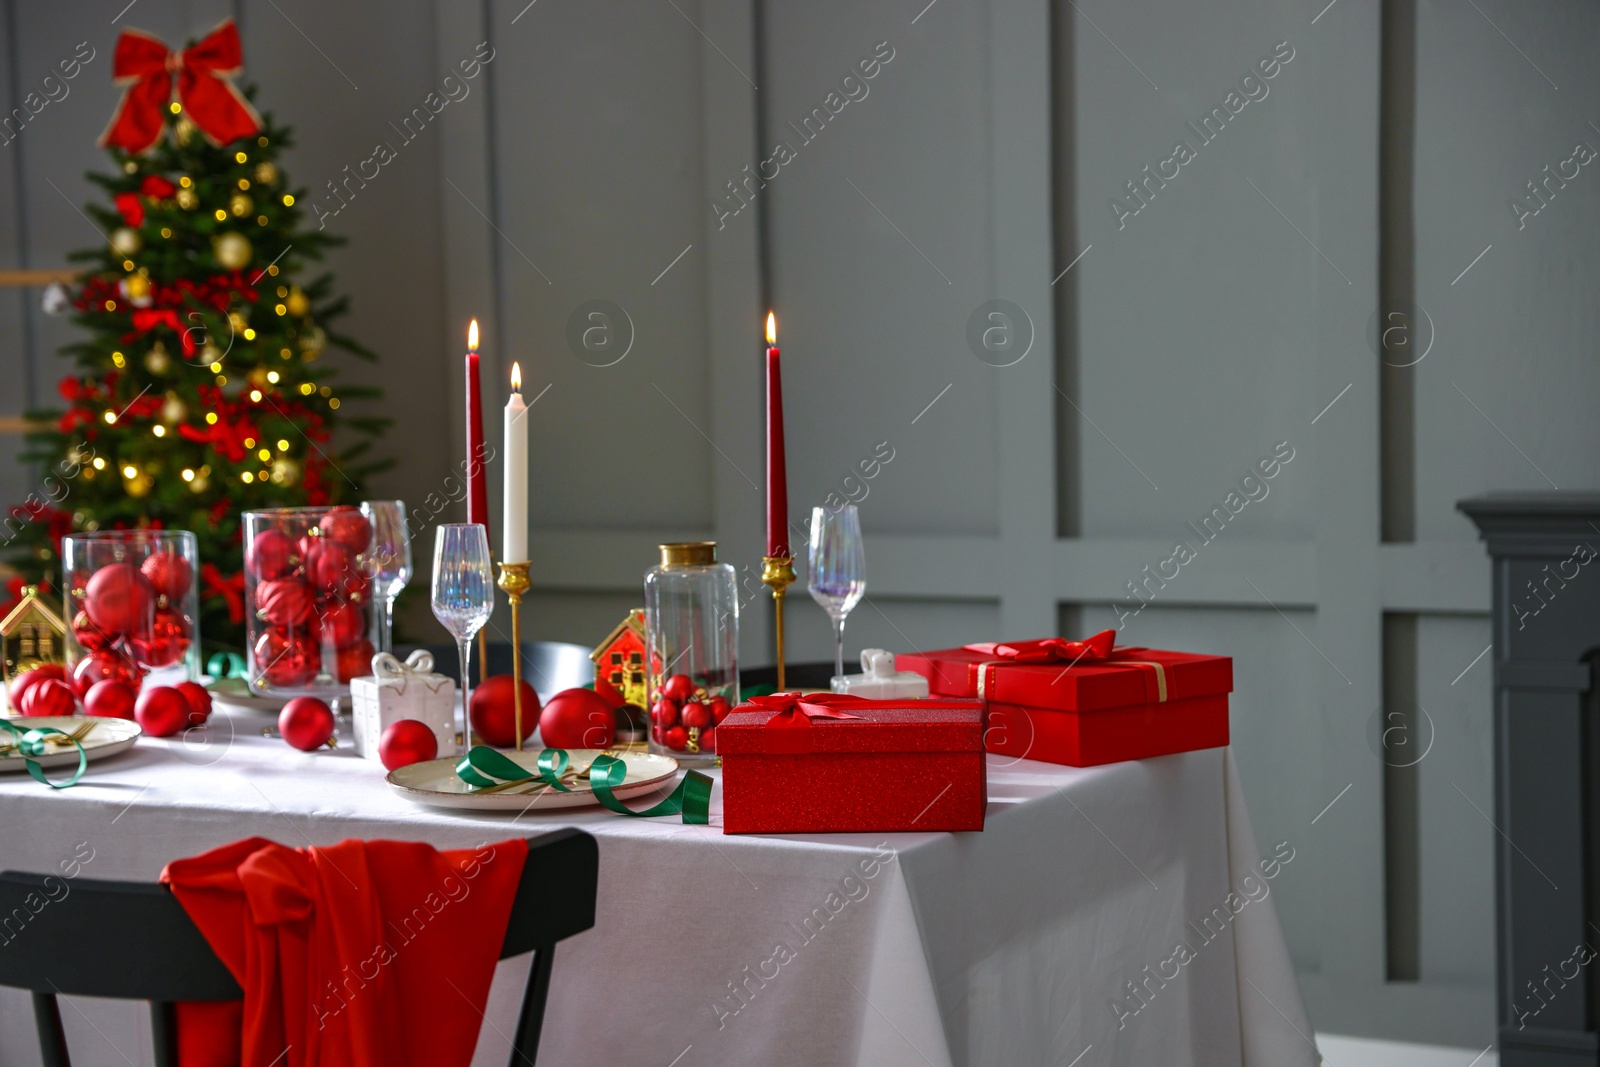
x=53 y=941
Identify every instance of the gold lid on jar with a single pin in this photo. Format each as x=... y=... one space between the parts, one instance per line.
x=689 y=554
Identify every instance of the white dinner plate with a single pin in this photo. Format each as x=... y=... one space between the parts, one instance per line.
x=106 y=738
x=234 y=694
x=435 y=782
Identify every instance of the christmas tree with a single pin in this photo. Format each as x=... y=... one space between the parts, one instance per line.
x=202 y=389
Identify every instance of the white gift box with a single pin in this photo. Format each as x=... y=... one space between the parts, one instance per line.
x=880 y=681
x=395 y=691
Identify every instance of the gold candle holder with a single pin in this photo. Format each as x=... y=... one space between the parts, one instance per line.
x=778 y=572
x=514 y=580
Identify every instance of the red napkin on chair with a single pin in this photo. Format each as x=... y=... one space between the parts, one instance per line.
x=367 y=953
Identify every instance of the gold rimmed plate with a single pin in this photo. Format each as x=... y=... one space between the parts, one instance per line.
x=435 y=782
x=105 y=737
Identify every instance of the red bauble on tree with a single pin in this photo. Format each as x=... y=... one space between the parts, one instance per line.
x=288 y=658
x=578 y=718
x=286 y=603
x=306 y=723
x=49 y=697
x=271 y=555
x=161 y=711
x=348 y=527
x=119 y=598
x=493 y=712
x=169 y=574
x=407 y=741
x=110 y=699
x=354 y=660
x=107 y=663
x=167 y=643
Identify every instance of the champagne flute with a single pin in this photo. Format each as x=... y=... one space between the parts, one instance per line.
x=390 y=561
x=463 y=595
x=838 y=571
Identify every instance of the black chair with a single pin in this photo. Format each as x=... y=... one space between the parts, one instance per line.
x=161 y=957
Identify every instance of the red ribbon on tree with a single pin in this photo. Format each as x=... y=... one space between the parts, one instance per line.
x=229 y=587
x=147 y=319
x=145 y=65
x=798 y=709
x=1052 y=649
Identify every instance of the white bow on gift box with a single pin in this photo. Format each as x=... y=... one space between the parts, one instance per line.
x=879 y=680
x=402 y=689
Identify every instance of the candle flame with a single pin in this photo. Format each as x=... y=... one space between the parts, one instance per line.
x=772 y=329
x=516 y=377
x=472 y=336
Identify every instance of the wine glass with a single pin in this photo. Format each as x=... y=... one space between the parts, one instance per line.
x=463 y=594
x=390 y=562
x=838 y=571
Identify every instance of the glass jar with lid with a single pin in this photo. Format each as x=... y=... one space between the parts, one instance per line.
x=691 y=621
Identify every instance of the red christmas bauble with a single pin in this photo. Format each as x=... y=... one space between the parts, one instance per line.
x=29 y=679
x=357 y=587
x=110 y=699
x=107 y=663
x=664 y=713
x=679 y=687
x=329 y=565
x=306 y=723
x=578 y=718
x=167 y=642
x=287 y=658
x=161 y=711
x=49 y=697
x=696 y=716
x=720 y=709
x=493 y=711
x=286 y=603
x=676 y=738
x=353 y=660
x=341 y=623
x=119 y=599
x=169 y=573
x=348 y=527
x=270 y=555
x=708 y=740
x=199 y=701
x=407 y=741
x=90 y=637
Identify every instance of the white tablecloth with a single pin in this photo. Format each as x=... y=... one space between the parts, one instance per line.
x=1050 y=938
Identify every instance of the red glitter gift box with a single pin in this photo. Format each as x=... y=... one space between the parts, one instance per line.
x=825 y=763
x=1084 y=703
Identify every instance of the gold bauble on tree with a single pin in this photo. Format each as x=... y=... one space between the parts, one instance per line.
x=200 y=482
x=126 y=241
x=209 y=354
x=158 y=360
x=139 y=485
x=258 y=377
x=285 y=471
x=232 y=250
x=240 y=205
x=183 y=130
x=173 y=409
x=187 y=199
x=313 y=342
x=296 y=302
x=137 y=286
x=266 y=173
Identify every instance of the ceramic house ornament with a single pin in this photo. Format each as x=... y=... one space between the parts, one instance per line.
x=31 y=635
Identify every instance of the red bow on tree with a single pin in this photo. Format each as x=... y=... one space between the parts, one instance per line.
x=144 y=64
x=798 y=709
x=1052 y=649
x=229 y=587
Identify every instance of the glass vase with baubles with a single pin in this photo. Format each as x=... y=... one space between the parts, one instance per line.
x=132 y=607
x=691 y=618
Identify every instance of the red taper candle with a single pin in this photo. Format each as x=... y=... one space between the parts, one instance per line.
x=477 y=466
x=777 y=467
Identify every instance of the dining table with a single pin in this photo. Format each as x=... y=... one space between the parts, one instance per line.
x=1119 y=914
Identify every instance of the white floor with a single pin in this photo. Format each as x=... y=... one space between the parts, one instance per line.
x=1362 y=1052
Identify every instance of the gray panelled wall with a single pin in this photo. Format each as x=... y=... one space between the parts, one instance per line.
x=1221 y=318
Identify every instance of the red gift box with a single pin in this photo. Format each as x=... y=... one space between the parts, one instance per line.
x=825 y=763
x=1086 y=703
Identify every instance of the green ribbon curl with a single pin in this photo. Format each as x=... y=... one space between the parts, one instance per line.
x=483 y=767
x=226 y=665
x=30 y=743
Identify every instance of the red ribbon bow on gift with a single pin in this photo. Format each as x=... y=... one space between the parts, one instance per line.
x=230 y=588
x=1052 y=649
x=798 y=709
x=144 y=64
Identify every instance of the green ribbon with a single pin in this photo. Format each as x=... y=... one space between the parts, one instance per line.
x=31 y=743
x=483 y=767
x=226 y=665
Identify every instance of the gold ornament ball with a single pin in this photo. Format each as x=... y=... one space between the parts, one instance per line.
x=285 y=471
x=158 y=360
x=127 y=242
x=314 y=341
x=187 y=199
x=232 y=250
x=209 y=354
x=240 y=205
x=258 y=377
x=137 y=286
x=199 y=483
x=296 y=302
x=139 y=485
x=173 y=410
x=266 y=173
x=130 y=167
x=183 y=130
